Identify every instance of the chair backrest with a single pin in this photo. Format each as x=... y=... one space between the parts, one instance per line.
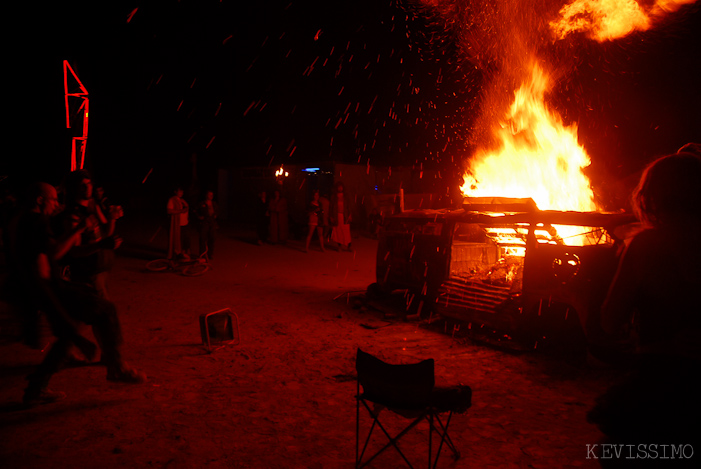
x=395 y=386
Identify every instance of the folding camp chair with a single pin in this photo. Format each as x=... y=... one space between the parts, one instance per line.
x=406 y=390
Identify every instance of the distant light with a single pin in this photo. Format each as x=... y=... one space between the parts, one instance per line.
x=281 y=173
x=311 y=170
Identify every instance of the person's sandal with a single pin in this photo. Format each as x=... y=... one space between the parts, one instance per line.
x=42 y=396
x=127 y=375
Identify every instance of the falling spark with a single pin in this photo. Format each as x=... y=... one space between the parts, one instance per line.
x=158 y=230
x=131 y=15
x=147 y=175
x=250 y=106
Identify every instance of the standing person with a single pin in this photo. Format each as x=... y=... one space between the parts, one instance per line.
x=277 y=208
x=340 y=218
x=178 y=239
x=325 y=205
x=36 y=252
x=654 y=297
x=207 y=213
x=375 y=220
x=92 y=256
x=262 y=217
x=315 y=220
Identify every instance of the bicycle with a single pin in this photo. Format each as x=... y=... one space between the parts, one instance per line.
x=188 y=267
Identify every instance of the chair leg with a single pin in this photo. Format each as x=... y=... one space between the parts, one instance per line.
x=365 y=447
x=357 y=426
x=445 y=437
x=392 y=440
x=430 y=438
x=448 y=440
x=375 y=421
x=359 y=454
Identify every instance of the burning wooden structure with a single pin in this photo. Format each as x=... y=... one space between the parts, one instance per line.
x=502 y=263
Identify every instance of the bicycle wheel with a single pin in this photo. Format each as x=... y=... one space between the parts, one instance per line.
x=158 y=265
x=195 y=269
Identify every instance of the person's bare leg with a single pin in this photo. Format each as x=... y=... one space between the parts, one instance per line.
x=320 y=233
x=309 y=238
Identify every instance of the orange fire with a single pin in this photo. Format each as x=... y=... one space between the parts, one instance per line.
x=605 y=20
x=540 y=157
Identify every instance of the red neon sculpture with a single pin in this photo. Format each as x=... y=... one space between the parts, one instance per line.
x=82 y=94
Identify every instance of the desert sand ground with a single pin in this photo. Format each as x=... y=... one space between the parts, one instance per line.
x=283 y=397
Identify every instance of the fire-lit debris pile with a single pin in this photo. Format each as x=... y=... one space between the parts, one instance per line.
x=485 y=285
x=486 y=263
x=477 y=295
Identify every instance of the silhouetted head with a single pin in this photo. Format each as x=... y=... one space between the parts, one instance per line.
x=42 y=197
x=694 y=148
x=78 y=185
x=669 y=192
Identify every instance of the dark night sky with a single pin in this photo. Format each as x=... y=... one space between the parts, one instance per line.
x=300 y=81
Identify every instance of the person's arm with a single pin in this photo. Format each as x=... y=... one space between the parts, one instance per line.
x=110 y=222
x=79 y=250
x=171 y=208
x=84 y=250
x=43 y=266
x=61 y=246
x=100 y=215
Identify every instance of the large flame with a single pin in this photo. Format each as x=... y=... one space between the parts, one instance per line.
x=605 y=20
x=540 y=157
